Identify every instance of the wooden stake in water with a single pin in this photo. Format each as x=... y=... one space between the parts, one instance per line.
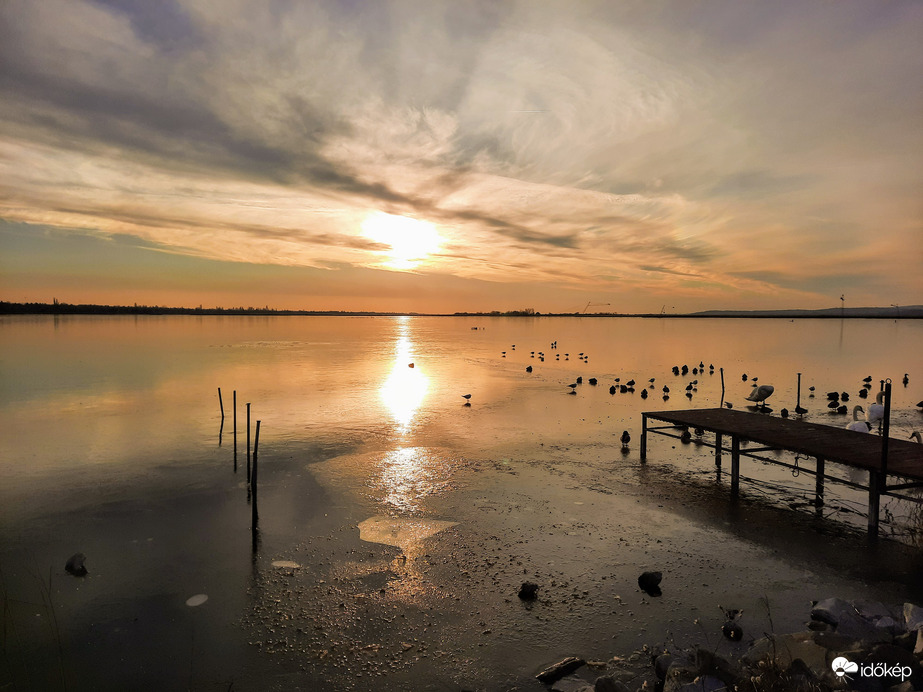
x=798 y=401
x=220 y=403
x=248 y=442
x=235 y=428
x=722 y=386
x=255 y=516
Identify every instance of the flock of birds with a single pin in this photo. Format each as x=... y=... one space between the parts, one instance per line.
x=758 y=395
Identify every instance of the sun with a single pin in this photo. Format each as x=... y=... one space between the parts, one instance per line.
x=411 y=240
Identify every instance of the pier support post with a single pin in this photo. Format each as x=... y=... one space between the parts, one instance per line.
x=875 y=485
x=248 y=442
x=718 y=442
x=735 y=466
x=819 y=484
x=643 y=438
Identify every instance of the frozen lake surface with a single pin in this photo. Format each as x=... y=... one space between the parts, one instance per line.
x=397 y=523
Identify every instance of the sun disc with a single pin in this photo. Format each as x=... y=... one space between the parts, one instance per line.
x=411 y=240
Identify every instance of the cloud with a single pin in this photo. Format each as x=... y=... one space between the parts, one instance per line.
x=745 y=146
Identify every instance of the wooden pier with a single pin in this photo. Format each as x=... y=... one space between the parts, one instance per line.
x=882 y=457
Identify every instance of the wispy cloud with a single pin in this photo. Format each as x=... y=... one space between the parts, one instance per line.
x=690 y=150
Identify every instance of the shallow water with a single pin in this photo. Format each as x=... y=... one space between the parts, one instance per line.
x=411 y=517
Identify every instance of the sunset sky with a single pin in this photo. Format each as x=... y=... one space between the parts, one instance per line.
x=465 y=155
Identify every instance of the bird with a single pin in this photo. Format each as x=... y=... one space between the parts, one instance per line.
x=592 y=381
x=760 y=393
x=685 y=437
x=915 y=435
x=729 y=404
x=833 y=404
x=920 y=404
x=844 y=396
x=644 y=394
x=744 y=377
x=841 y=409
x=676 y=370
x=625 y=439
x=863 y=394
x=833 y=396
x=573 y=386
x=580 y=380
x=630 y=383
x=858 y=425
x=652 y=380
x=467 y=398
x=784 y=413
x=867 y=379
x=409 y=365
x=689 y=387
x=528 y=368
x=800 y=410
x=876 y=411
x=754 y=379
x=906 y=379
x=612 y=389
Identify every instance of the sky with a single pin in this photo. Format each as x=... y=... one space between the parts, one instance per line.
x=462 y=156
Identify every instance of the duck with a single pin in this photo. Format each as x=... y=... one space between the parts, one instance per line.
x=528 y=368
x=800 y=410
x=858 y=425
x=644 y=394
x=906 y=379
x=625 y=439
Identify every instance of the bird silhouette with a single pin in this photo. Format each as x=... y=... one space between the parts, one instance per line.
x=915 y=435
x=906 y=379
x=644 y=394
x=760 y=393
x=467 y=398
x=528 y=368
x=858 y=425
x=625 y=439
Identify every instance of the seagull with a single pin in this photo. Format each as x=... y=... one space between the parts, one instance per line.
x=625 y=439
x=760 y=393
x=858 y=425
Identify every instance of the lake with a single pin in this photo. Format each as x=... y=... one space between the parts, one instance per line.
x=401 y=520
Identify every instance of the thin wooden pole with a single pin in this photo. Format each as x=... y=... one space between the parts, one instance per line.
x=235 y=426
x=255 y=515
x=798 y=401
x=885 y=431
x=819 y=483
x=722 y=386
x=735 y=465
x=719 y=438
x=643 y=438
x=221 y=403
x=248 y=442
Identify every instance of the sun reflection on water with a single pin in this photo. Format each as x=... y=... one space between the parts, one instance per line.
x=404 y=389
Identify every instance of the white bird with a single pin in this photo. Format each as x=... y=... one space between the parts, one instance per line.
x=858 y=425
x=876 y=411
x=761 y=393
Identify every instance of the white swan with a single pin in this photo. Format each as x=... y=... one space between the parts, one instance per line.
x=858 y=425
x=876 y=411
x=761 y=393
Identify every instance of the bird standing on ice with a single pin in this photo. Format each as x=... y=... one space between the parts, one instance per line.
x=858 y=425
x=761 y=393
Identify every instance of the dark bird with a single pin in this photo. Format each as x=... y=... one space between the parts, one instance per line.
x=573 y=385
x=833 y=396
x=685 y=437
x=784 y=413
x=503 y=353
x=754 y=379
x=592 y=381
x=729 y=404
x=744 y=377
x=644 y=394
x=695 y=371
x=528 y=368
x=409 y=365
x=801 y=410
x=630 y=383
x=652 y=380
x=842 y=409
x=844 y=396
x=612 y=389
x=689 y=387
x=812 y=388
x=711 y=367
x=675 y=370
x=625 y=438
x=666 y=390
x=467 y=398
x=684 y=369
x=906 y=379
x=650 y=583
x=580 y=380
x=867 y=379
x=701 y=364
x=689 y=394
x=833 y=404
x=863 y=394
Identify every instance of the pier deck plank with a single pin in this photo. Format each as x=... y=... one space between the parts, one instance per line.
x=859 y=450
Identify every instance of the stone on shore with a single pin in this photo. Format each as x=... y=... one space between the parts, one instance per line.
x=571 y=683
x=528 y=591
x=560 y=669
x=75 y=565
x=609 y=683
x=650 y=583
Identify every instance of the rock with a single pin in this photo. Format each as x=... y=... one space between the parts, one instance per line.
x=528 y=591
x=903 y=687
x=786 y=648
x=892 y=657
x=913 y=617
x=918 y=647
x=662 y=665
x=608 y=683
x=704 y=683
x=650 y=583
x=560 y=669
x=75 y=565
x=572 y=683
x=697 y=666
x=847 y=620
x=731 y=630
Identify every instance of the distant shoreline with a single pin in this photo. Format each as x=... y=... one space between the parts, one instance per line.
x=910 y=312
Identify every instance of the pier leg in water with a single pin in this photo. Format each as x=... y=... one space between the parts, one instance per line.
x=643 y=438
x=735 y=466
x=718 y=441
x=235 y=430
x=819 y=485
x=254 y=514
x=248 y=442
x=875 y=485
